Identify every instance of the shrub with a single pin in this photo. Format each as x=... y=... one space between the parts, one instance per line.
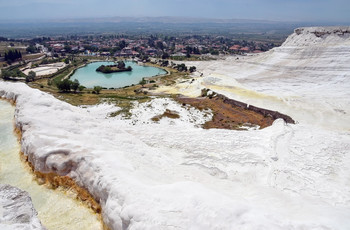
x=193 y=69
x=97 y=89
x=31 y=76
x=44 y=62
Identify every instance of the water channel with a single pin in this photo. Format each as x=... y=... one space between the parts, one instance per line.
x=57 y=209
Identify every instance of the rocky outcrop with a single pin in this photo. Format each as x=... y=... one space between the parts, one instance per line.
x=311 y=36
x=321 y=31
x=17 y=210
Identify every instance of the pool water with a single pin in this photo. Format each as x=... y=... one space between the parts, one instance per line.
x=88 y=77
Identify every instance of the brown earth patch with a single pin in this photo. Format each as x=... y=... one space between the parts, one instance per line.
x=226 y=116
x=168 y=113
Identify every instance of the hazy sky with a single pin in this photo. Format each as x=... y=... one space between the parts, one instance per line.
x=280 y=10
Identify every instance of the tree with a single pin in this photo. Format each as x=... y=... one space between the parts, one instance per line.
x=214 y=52
x=165 y=56
x=143 y=82
x=97 y=89
x=64 y=85
x=122 y=44
x=196 y=50
x=193 y=69
x=75 y=85
x=31 y=49
x=145 y=58
x=66 y=61
x=121 y=65
x=188 y=49
x=165 y=63
x=81 y=88
x=160 y=45
x=67 y=48
x=31 y=76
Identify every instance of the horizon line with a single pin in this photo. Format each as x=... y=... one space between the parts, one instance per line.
x=208 y=19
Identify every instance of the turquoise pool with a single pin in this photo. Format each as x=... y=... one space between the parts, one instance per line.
x=88 y=77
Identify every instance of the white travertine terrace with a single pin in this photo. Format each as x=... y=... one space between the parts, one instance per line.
x=174 y=175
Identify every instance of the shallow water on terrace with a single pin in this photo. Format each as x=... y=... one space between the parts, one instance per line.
x=88 y=77
x=56 y=209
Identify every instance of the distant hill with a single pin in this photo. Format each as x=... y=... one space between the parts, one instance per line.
x=144 y=25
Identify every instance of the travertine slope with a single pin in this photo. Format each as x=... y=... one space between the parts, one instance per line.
x=306 y=78
x=174 y=175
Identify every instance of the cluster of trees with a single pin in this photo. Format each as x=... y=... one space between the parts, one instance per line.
x=192 y=50
x=105 y=69
x=182 y=67
x=68 y=85
x=122 y=44
x=48 y=61
x=40 y=40
x=144 y=58
x=12 y=55
x=91 y=48
x=119 y=67
x=32 y=49
x=15 y=73
x=164 y=63
x=68 y=48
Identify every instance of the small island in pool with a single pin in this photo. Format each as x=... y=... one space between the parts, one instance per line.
x=119 y=67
